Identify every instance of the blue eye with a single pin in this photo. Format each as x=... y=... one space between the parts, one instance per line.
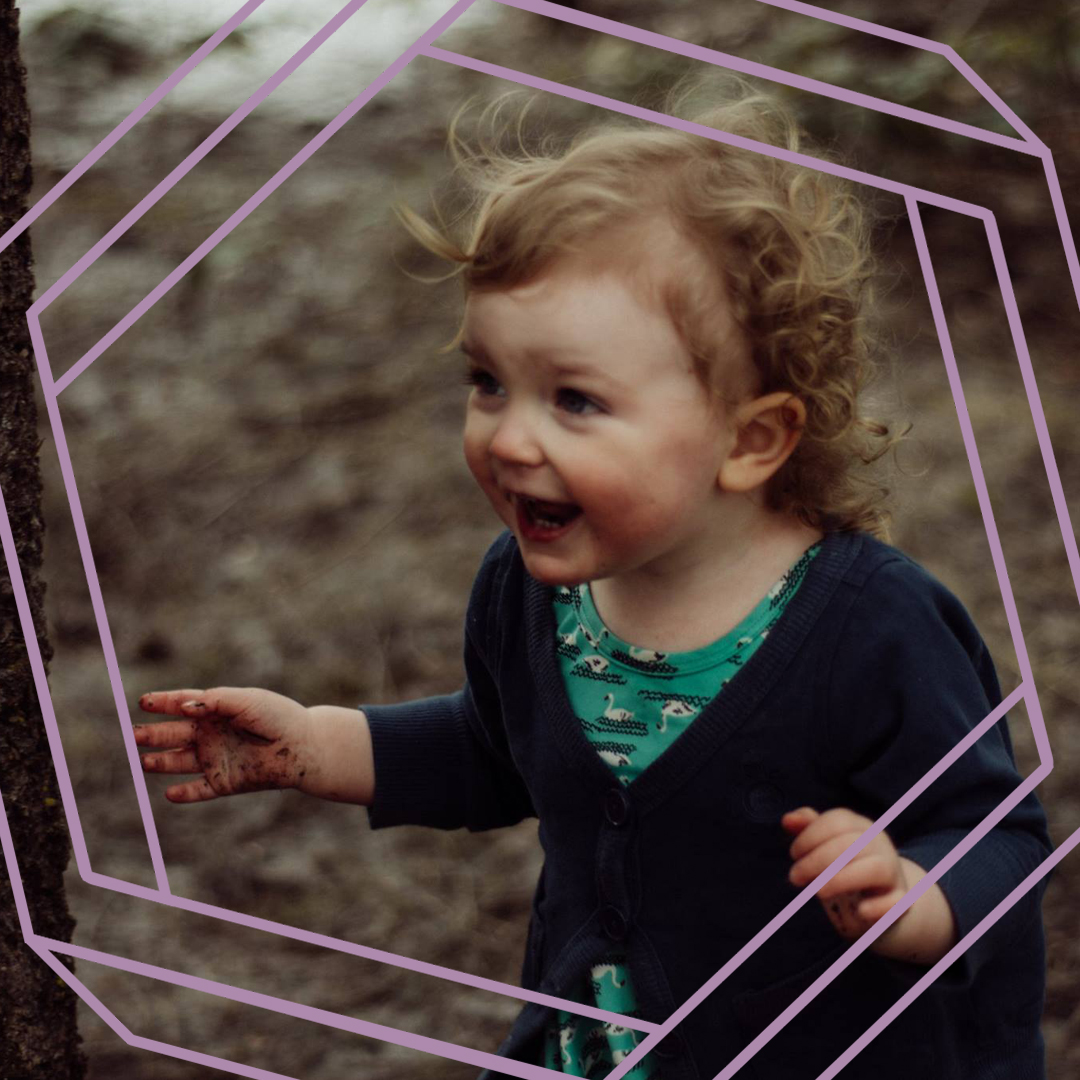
x=483 y=381
x=573 y=401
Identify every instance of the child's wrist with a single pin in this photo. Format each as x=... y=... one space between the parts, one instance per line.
x=926 y=931
x=339 y=758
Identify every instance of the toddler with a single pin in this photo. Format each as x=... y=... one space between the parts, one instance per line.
x=691 y=654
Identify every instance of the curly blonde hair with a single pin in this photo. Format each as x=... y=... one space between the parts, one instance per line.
x=788 y=245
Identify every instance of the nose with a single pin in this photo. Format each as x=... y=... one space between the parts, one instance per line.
x=515 y=440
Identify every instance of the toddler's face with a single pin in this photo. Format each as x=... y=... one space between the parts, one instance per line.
x=587 y=428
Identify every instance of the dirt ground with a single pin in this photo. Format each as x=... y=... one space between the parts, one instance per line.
x=269 y=470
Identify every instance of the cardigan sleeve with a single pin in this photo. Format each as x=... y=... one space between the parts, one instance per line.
x=444 y=761
x=911 y=678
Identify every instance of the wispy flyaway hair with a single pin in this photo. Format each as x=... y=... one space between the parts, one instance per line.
x=788 y=244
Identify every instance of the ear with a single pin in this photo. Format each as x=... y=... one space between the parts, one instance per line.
x=767 y=430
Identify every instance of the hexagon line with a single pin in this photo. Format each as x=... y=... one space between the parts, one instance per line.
x=969 y=939
x=925 y=44
x=70 y=276
x=235 y=917
x=50 y=392
x=870 y=936
x=1026 y=689
x=125 y=125
x=640 y=112
x=51 y=389
x=912 y=194
x=198 y=907
x=126 y=1035
x=1045 y=444
x=1029 y=144
x=271 y=1003
x=1035 y=718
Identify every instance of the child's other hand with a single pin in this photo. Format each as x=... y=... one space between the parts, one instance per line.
x=864 y=890
x=240 y=740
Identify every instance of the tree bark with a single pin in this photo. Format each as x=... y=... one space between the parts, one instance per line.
x=38 y=1037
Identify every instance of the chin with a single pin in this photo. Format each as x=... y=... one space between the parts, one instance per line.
x=552 y=575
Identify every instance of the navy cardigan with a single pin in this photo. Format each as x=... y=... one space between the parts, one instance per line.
x=874 y=672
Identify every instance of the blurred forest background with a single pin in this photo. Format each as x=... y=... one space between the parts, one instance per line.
x=269 y=469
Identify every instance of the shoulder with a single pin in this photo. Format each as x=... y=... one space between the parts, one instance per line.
x=892 y=598
x=906 y=667
x=899 y=629
x=880 y=565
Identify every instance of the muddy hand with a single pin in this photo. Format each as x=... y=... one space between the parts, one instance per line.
x=240 y=740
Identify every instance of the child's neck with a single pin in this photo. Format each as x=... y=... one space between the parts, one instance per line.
x=701 y=603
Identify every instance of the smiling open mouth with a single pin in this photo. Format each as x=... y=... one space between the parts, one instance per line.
x=542 y=520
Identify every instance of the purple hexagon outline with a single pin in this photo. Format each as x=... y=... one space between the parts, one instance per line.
x=1029 y=144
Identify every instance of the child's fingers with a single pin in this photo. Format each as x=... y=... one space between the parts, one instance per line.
x=843 y=912
x=794 y=821
x=168 y=701
x=168 y=733
x=224 y=701
x=172 y=761
x=820 y=858
x=826 y=826
x=872 y=908
x=191 y=792
x=248 y=708
x=870 y=874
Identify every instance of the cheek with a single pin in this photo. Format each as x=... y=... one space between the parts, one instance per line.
x=475 y=448
x=636 y=497
x=626 y=504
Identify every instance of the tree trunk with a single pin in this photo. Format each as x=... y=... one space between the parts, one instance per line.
x=38 y=1038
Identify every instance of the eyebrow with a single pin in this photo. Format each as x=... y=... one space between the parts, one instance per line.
x=473 y=352
x=476 y=352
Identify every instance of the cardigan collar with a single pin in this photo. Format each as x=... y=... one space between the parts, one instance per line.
x=719 y=719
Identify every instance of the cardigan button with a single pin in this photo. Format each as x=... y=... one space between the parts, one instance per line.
x=614 y=923
x=617 y=806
